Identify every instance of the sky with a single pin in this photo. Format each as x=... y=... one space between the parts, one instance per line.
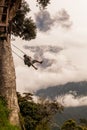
x=63 y=25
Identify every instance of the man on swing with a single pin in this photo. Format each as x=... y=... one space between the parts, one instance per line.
x=29 y=62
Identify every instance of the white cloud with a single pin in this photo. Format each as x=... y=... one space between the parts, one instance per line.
x=45 y=22
x=69 y=100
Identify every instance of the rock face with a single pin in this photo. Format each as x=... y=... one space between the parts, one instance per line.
x=8 y=80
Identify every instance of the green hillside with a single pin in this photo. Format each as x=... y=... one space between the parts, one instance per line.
x=4 y=113
x=74 y=113
x=69 y=112
x=52 y=91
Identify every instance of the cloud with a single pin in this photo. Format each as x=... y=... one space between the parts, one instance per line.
x=63 y=19
x=45 y=22
x=70 y=100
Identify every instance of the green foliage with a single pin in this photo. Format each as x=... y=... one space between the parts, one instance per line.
x=4 y=115
x=69 y=125
x=43 y=3
x=37 y=116
x=72 y=125
x=21 y=25
x=43 y=126
x=83 y=121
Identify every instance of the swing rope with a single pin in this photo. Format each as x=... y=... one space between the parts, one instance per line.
x=18 y=49
x=17 y=55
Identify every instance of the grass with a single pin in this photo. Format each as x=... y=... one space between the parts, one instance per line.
x=4 y=114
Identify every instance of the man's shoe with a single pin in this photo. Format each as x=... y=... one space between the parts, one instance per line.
x=41 y=62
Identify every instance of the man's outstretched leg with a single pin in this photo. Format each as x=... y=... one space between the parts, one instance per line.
x=36 y=61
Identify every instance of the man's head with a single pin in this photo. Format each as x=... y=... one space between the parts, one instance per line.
x=25 y=55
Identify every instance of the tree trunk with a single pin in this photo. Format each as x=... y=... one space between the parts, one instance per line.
x=7 y=75
x=8 y=80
